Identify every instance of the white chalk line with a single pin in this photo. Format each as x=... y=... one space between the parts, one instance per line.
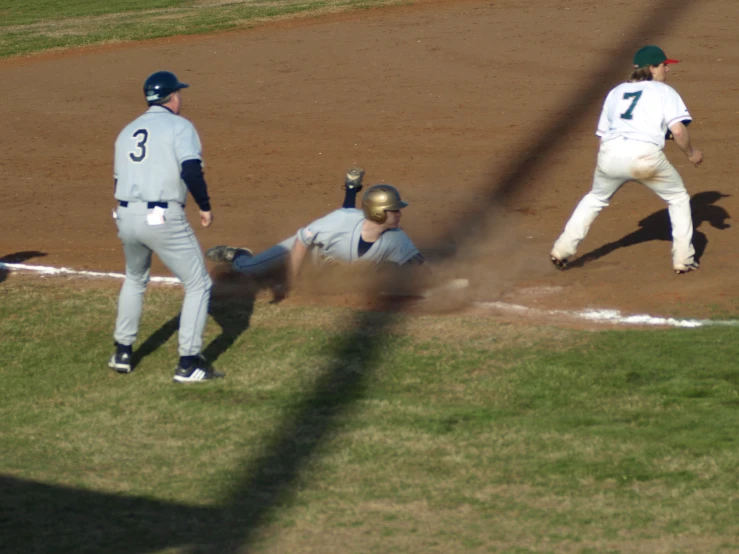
x=48 y=270
x=613 y=317
x=607 y=316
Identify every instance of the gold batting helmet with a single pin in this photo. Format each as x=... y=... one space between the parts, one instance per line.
x=380 y=198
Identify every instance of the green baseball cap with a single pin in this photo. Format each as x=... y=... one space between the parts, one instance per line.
x=651 y=55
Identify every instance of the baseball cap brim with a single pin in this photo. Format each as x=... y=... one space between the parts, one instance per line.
x=668 y=61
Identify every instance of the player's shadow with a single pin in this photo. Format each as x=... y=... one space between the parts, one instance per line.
x=155 y=340
x=17 y=258
x=233 y=314
x=657 y=227
x=230 y=308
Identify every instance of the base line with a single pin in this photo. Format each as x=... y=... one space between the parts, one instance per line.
x=612 y=317
x=48 y=270
x=606 y=316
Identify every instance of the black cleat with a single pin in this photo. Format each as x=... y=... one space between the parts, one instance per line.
x=687 y=268
x=559 y=263
x=121 y=362
x=353 y=179
x=223 y=253
x=198 y=372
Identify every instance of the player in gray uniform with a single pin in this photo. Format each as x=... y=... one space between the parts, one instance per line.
x=158 y=159
x=344 y=236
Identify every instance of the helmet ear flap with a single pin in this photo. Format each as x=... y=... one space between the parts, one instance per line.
x=379 y=216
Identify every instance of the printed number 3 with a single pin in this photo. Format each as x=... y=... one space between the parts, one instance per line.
x=141 y=145
x=628 y=113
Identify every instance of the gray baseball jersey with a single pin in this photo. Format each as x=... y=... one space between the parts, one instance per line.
x=149 y=153
x=336 y=237
x=148 y=164
x=333 y=238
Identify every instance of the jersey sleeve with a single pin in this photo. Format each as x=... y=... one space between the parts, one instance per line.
x=401 y=248
x=312 y=233
x=604 y=122
x=675 y=109
x=116 y=156
x=187 y=142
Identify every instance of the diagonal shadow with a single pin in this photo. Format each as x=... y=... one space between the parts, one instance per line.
x=268 y=482
x=49 y=519
x=17 y=258
x=657 y=227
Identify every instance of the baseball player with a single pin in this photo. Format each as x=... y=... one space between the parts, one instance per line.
x=636 y=119
x=371 y=235
x=157 y=160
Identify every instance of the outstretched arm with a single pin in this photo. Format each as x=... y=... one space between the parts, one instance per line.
x=418 y=259
x=415 y=273
x=420 y=269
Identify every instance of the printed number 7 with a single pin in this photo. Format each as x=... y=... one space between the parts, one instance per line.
x=635 y=95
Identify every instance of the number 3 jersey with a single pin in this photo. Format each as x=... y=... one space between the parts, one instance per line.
x=149 y=153
x=641 y=111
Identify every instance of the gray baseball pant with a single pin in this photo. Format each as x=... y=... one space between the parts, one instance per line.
x=176 y=245
x=270 y=262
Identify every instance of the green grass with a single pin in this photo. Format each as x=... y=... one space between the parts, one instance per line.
x=418 y=434
x=35 y=11
x=30 y=26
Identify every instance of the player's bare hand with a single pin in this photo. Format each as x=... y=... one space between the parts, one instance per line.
x=697 y=158
x=206 y=218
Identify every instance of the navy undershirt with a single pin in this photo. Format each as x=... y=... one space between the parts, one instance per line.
x=192 y=174
x=364 y=246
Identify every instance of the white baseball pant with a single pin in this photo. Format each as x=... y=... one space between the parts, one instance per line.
x=621 y=160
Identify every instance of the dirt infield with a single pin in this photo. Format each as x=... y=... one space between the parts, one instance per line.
x=449 y=101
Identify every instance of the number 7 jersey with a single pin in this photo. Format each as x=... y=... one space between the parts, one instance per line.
x=641 y=111
x=149 y=153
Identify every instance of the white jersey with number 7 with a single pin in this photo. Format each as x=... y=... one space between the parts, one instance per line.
x=633 y=123
x=641 y=111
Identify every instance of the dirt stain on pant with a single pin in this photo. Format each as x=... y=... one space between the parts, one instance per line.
x=644 y=168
